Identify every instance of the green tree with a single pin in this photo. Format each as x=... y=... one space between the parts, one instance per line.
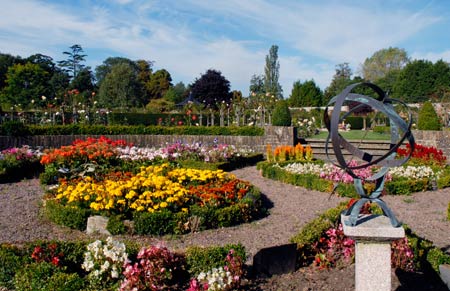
x=272 y=73
x=6 y=61
x=25 y=83
x=176 y=93
x=428 y=118
x=384 y=61
x=415 y=82
x=120 y=88
x=211 y=89
x=281 y=115
x=257 y=84
x=105 y=68
x=341 y=79
x=73 y=65
x=160 y=82
x=84 y=83
x=144 y=74
x=306 y=94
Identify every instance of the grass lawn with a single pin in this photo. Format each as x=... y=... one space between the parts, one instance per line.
x=356 y=135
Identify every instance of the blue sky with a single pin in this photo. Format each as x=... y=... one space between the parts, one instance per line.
x=188 y=37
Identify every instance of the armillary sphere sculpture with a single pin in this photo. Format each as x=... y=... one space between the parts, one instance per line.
x=400 y=131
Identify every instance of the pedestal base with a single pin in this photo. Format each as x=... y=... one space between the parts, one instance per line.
x=373 y=235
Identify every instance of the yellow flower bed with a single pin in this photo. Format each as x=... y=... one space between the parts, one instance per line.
x=152 y=189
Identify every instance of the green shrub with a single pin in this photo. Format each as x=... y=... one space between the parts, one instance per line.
x=96 y=130
x=34 y=276
x=382 y=129
x=200 y=259
x=14 y=128
x=428 y=118
x=313 y=231
x=73 y=217
x=10 y=262
x=156 y=223
x=281 y=115
x=115 y=225
x=65 y=282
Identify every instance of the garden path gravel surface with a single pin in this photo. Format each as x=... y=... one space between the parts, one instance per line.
x=292 y=207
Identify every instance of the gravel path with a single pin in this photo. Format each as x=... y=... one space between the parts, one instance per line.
x=292 y=207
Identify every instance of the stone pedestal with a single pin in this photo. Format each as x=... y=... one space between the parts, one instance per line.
x=373 y=235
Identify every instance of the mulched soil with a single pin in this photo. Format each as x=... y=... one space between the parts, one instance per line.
x=290 y=209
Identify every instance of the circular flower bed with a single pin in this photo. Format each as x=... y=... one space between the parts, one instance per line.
x=160 y=198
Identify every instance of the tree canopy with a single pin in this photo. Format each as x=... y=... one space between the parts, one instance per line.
x=306 y=94
x=211 y=89
x=382 y=62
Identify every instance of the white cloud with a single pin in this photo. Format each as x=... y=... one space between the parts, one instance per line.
x=187 y=37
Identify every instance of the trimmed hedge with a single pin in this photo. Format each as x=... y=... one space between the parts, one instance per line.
x=72 y=217
x=201 y=259
x=200 y=218
x=400 y=186
x=308 y=181
x=79 y=129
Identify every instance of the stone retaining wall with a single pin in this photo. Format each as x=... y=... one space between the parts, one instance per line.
x=273 y=135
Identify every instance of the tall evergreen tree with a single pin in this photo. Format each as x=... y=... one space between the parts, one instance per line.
x=272 y=73
x=75 y=57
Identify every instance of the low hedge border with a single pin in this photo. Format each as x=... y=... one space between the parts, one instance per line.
x=427 y=257
x=200 y=218
x=79 y=129
x=313 y=182
x=164 y=222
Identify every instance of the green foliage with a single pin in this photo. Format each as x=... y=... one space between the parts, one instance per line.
x=384 y=61
x=402 y=186
x=73 y=217
x=116 y=225
x=415 y=82
x=10 y=262
x=272 y=73
x=120 y=88
x=306 y=94
x=77 y=129
x=382 y=129
x=200 y=217
x=156 y=223
x=308 y=181
x=357 y=122
x=313 y=231
x=160 y=82
x=281 y=115
x=60 y=281
x=428 y=118
x=16 y=93
x=14 y=128
x=426 y=256
x=201 y=259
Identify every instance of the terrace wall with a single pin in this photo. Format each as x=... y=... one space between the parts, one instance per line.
x=273 y=135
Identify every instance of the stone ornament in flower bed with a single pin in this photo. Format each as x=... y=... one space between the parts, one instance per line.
x=400 y=130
